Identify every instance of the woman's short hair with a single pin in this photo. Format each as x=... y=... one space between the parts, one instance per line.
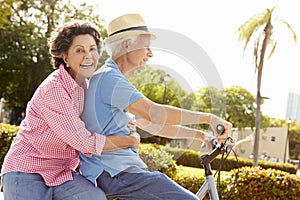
x=61 y=39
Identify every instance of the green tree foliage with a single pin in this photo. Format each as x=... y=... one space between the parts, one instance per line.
x=151 y=83
x=211 y=100
x=294 y=140
x=234 y=104
x=188 y=102
x=240 y=107
x=24 y=30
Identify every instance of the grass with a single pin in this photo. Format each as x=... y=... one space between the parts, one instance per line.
x=199 y=171
x=193 y=170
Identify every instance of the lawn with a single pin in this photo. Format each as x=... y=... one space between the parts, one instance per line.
x=199 y=171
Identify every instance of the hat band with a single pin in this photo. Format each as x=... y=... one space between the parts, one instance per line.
x=140 y=28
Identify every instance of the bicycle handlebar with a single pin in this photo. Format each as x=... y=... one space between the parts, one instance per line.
x=220 y=129
x=218 y=148
x=208 y=158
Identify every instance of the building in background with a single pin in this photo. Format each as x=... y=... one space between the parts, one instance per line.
x=273 y=145
x=293 y=105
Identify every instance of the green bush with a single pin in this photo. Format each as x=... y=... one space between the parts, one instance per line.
x=193 y=182
x=258 y=183
x=190 y=181
x=158 y=159
x=7 y=134
x=187 y=157
x=247 y=183
x=241 y=183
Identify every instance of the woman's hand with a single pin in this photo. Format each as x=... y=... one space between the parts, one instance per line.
x=132 y=126
x=116 y=142
x=136 y=139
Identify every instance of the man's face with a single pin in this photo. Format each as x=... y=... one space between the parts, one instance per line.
x=140 y=51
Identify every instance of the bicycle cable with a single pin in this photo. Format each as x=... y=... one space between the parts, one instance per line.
x=225 y=153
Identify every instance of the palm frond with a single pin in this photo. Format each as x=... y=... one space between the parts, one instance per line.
x=291 y=29
x=255 y=54
x=272 y=50
x=251 y=26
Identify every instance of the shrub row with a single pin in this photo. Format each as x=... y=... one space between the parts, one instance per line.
x=249 y=183
x=267 y=184
x=187 y=157
x=158 y=159
x=242 y=183
x=7 y=134
x=268 y=181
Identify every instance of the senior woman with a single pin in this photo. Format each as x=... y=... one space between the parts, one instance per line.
x=111 y=101
x=42 y=160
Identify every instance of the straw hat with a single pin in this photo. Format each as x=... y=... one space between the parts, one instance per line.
x=126 y=25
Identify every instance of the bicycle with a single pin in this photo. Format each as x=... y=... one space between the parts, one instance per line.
x=209 y=185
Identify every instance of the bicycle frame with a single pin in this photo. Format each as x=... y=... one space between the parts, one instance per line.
x=209 y=185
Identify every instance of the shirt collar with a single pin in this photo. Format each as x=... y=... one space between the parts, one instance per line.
x=112 y=64
x=68 y=80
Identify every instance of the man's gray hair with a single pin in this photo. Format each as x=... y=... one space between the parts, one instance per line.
x=114 y=48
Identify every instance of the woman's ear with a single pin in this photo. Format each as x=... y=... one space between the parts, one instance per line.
x=65 y=58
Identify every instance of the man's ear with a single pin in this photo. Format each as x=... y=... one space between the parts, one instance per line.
x=125 y=44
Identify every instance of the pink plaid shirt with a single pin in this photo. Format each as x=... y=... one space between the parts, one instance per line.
x=52 y=133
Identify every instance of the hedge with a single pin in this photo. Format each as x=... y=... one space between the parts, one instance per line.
x=187 y=157
x=241 y=183
x=7 y=134
x=268 y=181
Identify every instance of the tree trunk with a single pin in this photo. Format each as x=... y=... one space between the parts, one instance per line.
x=267 y=31
x=257 y=130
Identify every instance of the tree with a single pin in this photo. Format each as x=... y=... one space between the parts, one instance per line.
x=261 y=29
x=24 y=29
x=240 y=107
x=211 y=100
x=188 y=102
x=234 y=104
x=151 y=83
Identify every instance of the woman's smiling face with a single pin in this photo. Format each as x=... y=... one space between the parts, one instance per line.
x=82 y=57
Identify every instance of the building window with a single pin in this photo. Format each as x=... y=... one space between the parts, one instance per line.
x=273 y=138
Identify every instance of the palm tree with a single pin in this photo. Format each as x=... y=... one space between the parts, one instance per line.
x=260 y=28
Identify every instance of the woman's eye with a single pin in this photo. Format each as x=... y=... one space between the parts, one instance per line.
x=80 y=51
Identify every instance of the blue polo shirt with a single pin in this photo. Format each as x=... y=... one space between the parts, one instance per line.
x=106 y=98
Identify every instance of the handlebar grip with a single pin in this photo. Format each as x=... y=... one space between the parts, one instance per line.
x=220 y=129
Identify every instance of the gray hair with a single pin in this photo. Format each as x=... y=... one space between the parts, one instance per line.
x=114 y=48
